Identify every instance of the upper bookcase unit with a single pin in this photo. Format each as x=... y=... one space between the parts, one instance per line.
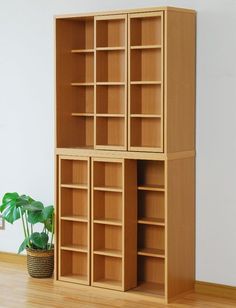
x=126 y=81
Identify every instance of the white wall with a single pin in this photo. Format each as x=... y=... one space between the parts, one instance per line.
x=26 y=116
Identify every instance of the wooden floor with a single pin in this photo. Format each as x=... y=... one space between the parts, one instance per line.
x=17 y=289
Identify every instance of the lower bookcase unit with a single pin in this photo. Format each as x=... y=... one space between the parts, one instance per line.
x=126 y=224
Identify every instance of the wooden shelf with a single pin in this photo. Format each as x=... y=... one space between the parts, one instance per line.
x=108 y=284
x=108 y=252
x=110 y=189
x=110 y=48
x=76 y=114
x=112 y=222
x=110 y=83
x=74 y=186
x=78 y=248
x=146 y=47
x=151 y=288
x=75 y=218
x=142 y=82
x=111 y=115
x=83 y=279
x=157 y=253
x=145 y=116
x=151 y=188
x=82 y=84
x=151 y=221
x=82 y=50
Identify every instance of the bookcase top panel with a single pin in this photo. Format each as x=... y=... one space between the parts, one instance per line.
x=130 y=11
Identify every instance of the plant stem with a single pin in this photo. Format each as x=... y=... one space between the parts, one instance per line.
x=27 y=229
x=23 y=223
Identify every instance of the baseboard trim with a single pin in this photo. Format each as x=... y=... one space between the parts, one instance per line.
x=215 y=289
x=12 y=258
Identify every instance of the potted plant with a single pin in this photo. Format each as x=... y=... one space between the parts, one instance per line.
x=39 y=245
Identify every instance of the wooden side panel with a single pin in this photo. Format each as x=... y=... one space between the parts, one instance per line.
x=180 y=226
x=179 y=81
x=130 y=225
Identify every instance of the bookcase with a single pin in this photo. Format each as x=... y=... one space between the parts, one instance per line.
x=125 y=151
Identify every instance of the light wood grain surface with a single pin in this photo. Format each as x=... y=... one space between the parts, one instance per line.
x=30 y=292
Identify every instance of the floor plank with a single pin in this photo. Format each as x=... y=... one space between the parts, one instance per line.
x=17 y=289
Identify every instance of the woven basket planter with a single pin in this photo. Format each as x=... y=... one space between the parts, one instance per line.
x=40 y=263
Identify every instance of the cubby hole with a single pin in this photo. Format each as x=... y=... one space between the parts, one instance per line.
x=146 y=65
x=146 y=133
x=74 y=203
x=151 y=240
x=146 y=100
x=83 y=102
x=74 y=235
x=151 y=207
x=110 y=33
x=107 y=206
x=110 y=99
x=107 y=239
x=110 y=131
x=110 y=66
x=108 y=174
x=151 y=174
x=83 y=70
x=151 y=275
x=74 y=265
x=74 y=172
x=146 y=31
x=107 y=271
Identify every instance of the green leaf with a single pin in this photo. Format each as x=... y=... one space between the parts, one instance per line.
x=35 y=216
x=11 y=213
x=34 y=206
x=9 y=197
x=40 y=240
x=48 y=212
x=24 y=244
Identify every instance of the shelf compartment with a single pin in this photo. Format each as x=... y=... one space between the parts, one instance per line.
x=110 y=66
x=151 y=237
x=107 y=272
x=140 y=33
x=146 y=133
x=111 y=33
x=107 y=174
x=74 y=171
x=145 y=65
x=151 y=275
x=74 y=203
x=150 y=173
x=110 y=99
x=74 y=233
x=107 y=238
x=85 y=131
x=151 y=207
x=83 y=100
x=146 y=100
x=83 y=70
x=107 y=206
x=74 y=267
x=110 y=132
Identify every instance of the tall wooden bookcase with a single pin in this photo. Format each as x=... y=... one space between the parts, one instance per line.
x=125 y=151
